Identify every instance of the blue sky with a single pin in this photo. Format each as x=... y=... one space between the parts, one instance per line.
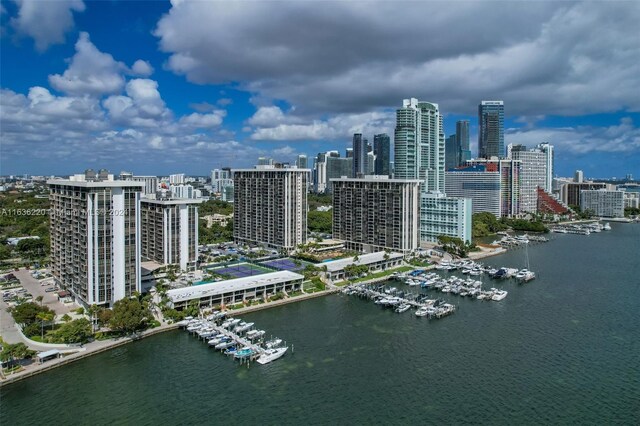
x=164 y=87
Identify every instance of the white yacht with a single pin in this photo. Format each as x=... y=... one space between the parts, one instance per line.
x=606 y=227
x=273 y=343
x=404 y=307
x=244 y=327
x=271 y=355
x=422 y=312
x=499 y=295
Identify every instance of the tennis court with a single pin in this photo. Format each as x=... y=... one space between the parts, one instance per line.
x=286 y=264
x=240 y=270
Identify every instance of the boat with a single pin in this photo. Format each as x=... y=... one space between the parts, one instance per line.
x=403 y=308
x=606 y=227
x=422 y=312
x=271 y=355
x=244 y=327
x=273 y=343
x=499 y=295
x=225 y=344
x=243 y=353
x=256 y=335
x=230 y=350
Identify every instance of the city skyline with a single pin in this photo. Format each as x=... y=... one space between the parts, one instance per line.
x=151 y=99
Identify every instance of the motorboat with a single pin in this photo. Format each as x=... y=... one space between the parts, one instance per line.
x=403 y=308
x=244 y=327
x=255 y=334
x=271 y=355
x=225 y=344
x=273 y=343
x=606 y=227
x=499 y=295
x=422 y=312
x=243 y=353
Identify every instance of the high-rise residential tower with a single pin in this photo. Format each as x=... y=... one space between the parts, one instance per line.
x=95 y=237
x=537 y=172
x=270 y=206
x=382 y=151
x=419 y=151
x=376 y=213
x=491 y=129
x=169 y=231
x=302 y=162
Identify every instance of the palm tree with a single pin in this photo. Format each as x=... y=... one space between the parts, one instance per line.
x=39 y=299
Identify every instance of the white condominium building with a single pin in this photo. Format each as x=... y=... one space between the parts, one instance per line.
x=442 y=215
x=481 y=186
x=376 y=213
x=95 y=237
x=602 y=202
x=270 y=206
x=169 y=231
x=537 y=171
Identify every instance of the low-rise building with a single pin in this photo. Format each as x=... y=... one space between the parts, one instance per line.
x=442 y=215
x=220 y=219
x=380 y=261
x=229 y=292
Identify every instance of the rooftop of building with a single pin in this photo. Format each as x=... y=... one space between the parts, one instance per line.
x=273 y=168
x=171 y=201
x=363 y=259
x=237 y=284
x=374 y=178
x=97 y=183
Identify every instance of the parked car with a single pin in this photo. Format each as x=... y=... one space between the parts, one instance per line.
x=50 y=289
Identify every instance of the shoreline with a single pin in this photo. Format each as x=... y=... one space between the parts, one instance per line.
x=103 y=346
x=106 y=345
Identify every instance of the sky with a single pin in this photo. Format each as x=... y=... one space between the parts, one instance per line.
x=185 y=86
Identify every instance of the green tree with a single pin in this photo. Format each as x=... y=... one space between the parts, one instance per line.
x=76 y=331
x=318 y=221
x=27 y=313
x=129 y=316
x=12 y=352
x=65 y=318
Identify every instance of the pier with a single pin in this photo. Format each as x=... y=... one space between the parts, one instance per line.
x=232 y=337
x=401 y=301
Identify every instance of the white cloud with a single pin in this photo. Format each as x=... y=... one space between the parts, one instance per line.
x=542 y=58
x=341 y=126
x=46 y=21
x=621 y=138
x=142 y=107
x=142 y=68
x=91 y=72
x=197 y=120
x=270 y=116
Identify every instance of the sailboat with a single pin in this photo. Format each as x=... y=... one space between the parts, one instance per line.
x=525 y=275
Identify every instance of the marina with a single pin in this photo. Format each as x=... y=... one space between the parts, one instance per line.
x=235 y=338
x=582 y=228
x=492 y=355
x=399 y=301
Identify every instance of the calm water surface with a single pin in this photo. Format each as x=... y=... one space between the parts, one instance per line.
x=562 y=349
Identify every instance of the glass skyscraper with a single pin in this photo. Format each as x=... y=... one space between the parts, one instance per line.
x=491 y=129
x=360 y=157
x=382 y=151
x=462 y=138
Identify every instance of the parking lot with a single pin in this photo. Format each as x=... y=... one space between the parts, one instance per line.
x=36 y=288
